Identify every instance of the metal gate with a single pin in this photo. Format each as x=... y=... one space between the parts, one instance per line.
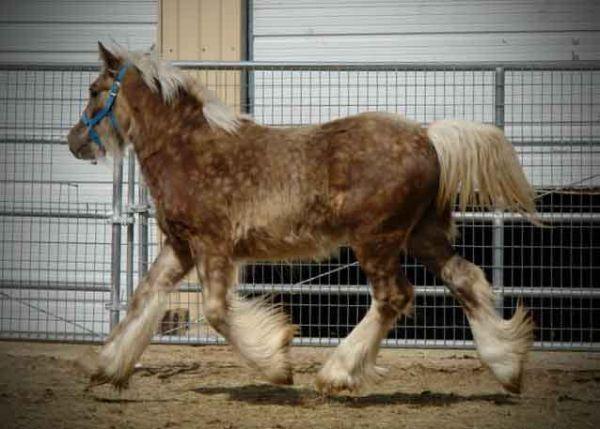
x=75 y=238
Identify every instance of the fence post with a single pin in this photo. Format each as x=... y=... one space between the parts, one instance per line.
x=115 y=259
x=498 y=225
x=142 y=229
x=130 y=225
x=248 y=74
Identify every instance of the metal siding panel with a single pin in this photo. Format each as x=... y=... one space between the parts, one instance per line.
x=170 y=29
x=67 y=12
x=231 y=38
x=189 y=36
x=80 y=40
x=210 y=24
x=68 y=31
x=387 y=30
x=201 y=30
x=400 y=18
x=431 y=47
x=229 y=88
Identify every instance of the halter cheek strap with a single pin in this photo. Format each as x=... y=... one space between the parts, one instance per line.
x=107 y=110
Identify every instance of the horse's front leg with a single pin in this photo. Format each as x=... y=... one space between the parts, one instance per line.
x=130 y=337
x=260 y=334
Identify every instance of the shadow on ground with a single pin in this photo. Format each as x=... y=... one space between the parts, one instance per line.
x=276 y=395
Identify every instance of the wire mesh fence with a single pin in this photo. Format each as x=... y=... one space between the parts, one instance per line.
x=75 y=237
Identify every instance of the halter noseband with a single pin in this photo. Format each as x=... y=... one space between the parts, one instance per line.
x=107 y=110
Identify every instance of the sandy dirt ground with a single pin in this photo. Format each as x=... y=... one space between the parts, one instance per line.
x=41 y=386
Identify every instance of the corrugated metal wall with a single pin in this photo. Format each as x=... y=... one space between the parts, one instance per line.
x=67 y=30
x=201 y=29
x=429 y=30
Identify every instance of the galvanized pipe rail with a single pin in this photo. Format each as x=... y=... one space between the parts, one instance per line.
x=305 y=289
x=498 y=221
x=382 y=66
x=388 y=343
x=115 y=275
x=310 y=289
x=328 y=66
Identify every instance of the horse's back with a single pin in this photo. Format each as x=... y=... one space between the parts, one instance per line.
x=382 y=167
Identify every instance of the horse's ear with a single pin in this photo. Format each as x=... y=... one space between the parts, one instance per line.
x=111 y=62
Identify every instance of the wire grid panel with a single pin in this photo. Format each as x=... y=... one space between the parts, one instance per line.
x=55 y=239
x=553 y=117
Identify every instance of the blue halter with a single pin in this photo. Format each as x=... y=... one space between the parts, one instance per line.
x=107 y=110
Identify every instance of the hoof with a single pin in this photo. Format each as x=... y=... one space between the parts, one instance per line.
x=515 y=385
x=503 y=346
x=100 y=377
x=330 y=381
x=283 y=380
x=332 y=387
x=279 y=370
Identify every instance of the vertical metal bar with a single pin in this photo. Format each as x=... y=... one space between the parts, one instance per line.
x=130 y=226
x=499 y=97
x=498 y=232
x=115 y=260
x=249 y=74
x=250 y=30
x=142 y=229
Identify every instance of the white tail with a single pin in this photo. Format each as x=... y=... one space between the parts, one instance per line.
x=480 y=166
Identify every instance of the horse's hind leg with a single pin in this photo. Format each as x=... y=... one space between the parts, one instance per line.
x=353 y=362
x=260 y=334
x=130 y=337
x=502 y=344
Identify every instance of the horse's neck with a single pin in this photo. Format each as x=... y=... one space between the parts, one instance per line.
x=162 y=134
x=155 y=123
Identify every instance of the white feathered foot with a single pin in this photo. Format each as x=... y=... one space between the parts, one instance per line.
x=503 y=345
x=262 y=336
x=352 y=364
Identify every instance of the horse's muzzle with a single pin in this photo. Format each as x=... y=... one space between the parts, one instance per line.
x=80 y=144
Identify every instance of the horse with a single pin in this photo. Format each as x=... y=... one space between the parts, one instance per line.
x=228 y=190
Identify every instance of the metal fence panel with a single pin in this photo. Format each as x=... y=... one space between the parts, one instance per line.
x=73 y=245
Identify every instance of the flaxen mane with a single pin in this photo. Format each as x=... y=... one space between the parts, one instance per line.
x=170 y=82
